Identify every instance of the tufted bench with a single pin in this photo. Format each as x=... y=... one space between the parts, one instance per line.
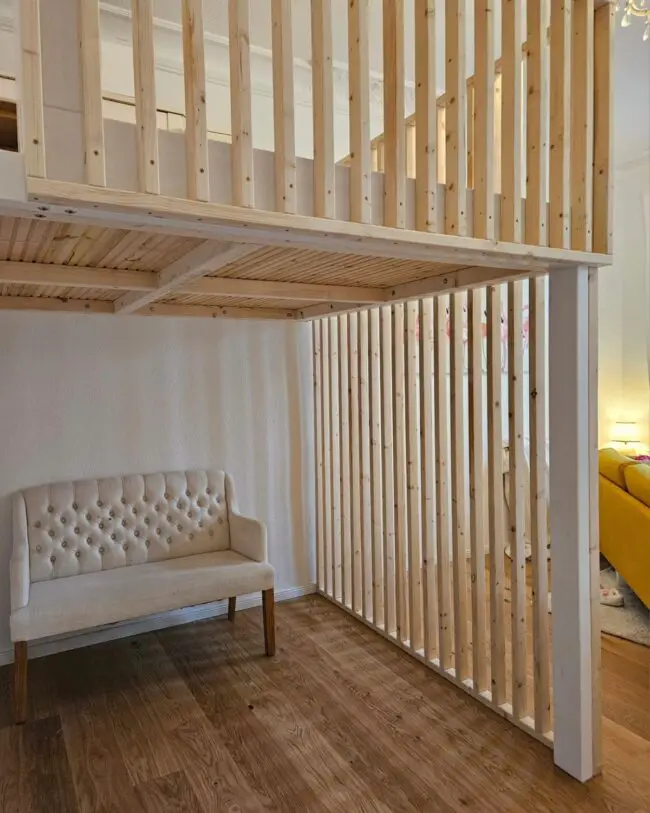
x=96 y=552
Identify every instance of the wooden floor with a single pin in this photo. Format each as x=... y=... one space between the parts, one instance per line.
x=197 y=719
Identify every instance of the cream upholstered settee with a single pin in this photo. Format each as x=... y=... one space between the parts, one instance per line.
x=96 y=552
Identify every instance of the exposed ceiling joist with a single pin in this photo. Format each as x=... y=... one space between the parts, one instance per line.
x=204 y=259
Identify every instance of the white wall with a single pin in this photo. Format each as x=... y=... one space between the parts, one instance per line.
x=91 y=396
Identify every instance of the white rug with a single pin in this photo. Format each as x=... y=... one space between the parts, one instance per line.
x=632 y=621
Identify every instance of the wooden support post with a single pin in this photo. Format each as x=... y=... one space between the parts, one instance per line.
x=327 y=457
x=455 y=121
x=571 y=511
x=359 y=86
x=477 y=490
x=323 y=108
x=144 y=79
x=355 y=465
x=603 y=222
x=268 y=609
x=390 y=612
x=318 y=432
x=511 y=110
x=413 y=477
x=443 y=529
x=243 y=185
x=196 y=122
x=394 y=130
x=366 y=482
x=21 y=702
x=31 y=131
x=401 y=528
x=426 y=124
x=283 y=108
x=560 y=126
x=539 y=502
x=495 y=496
x=376 y=469
x=335 y=439
x=582 y=124
x=484 y=152
x=93 y=120
x=346 y=516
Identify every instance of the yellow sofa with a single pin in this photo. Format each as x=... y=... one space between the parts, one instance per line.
x=625 y=519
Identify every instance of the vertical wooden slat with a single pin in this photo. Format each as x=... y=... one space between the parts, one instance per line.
x=582 y=124
x=455 y=121
x=495 y=497
x=318 y=432
x=346 y=516
x=443 y=530
x=469 y=120
x=426 y=125
x=335 y=435
x=498 y=121
x=516 y=502
x=196 y=127
x=144 y=78
x=559 y=234
x=327 y=457
x=376 y=468
x=442 y=146
x=413 y=478
x=359 y=79
x=427 y=481
x=30 y=107
x=459 y=485
x=91 y=82
x=401 y=534
x=283 y=107
x=390 y=610
x=394 y=131
x=477 y=518
x=366 y=484
x=536 y=125
x=511 y=111
x=355 y=465
x=538 y=502
x=603 y=222
x=323 y=107
x=243 y=188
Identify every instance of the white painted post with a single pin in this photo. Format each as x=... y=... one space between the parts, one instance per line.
x=570 y=512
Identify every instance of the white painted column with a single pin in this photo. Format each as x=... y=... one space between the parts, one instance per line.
x=570 y=513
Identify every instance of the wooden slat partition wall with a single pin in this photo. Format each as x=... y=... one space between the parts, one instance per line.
x=359 y=79
x=455 y=120
x=426 y=122
x=30 y=110
x=196 y=121
x=91 y=83
x=144 y=80
x=283 y=107
x=603 y=207
x=582 y=123
x=405 y=404
x=394 y=130
x=243 y=188
x=323 y=107
x=559 y=231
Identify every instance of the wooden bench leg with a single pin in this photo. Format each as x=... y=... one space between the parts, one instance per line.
x=232 y=606
x=20 y=682
x=268 y=608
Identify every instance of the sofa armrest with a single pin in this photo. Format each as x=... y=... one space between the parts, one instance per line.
x=19 y=567
x=248 y=537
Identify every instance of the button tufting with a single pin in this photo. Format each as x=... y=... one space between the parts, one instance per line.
x=51 y=533
x=125 y=546
x=158 y=531
x=74 y=506
x=113 y=537
x=145 y=498
x=52 y=559
x=181 y=504
x=191 y=536
x=50 y=509
x=88 y=517
x=147 y=521
x=208 y=491
x=124 y=523
x=166 y=495
x=89 y=540
x=147 y=543
x=77 y=554
x=135 y=510
x=77 y=531
x=217 y=499
x=156 y=507
x=136 y=534
x=210 y=512
x=63 y=520
x=201 y=524
x=123 y=501
x=189 y=515
x=101 y=526
x=101 y=549
x=38 y=549
x=169 y=519
x=37 y=525
x=179 y=527
x=100 y=504
x=220 y=520
x=64 y=544
x=187 y=493
x=111 y=514
x=169 y=540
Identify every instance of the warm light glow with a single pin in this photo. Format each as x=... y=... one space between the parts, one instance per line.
x=625 y=432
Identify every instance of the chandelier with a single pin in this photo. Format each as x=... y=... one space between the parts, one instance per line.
x=635 y=8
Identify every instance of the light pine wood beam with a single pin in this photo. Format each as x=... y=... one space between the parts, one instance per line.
x=204 y=259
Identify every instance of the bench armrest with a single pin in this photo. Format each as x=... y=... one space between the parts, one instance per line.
x=248 y=537
x=19 y=567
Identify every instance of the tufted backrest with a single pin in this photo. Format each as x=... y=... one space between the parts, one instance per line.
x=90 y=525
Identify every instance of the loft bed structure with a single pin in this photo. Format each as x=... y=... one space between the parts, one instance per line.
x=489 y=206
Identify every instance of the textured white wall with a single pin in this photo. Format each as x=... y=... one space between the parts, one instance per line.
x=89 y=396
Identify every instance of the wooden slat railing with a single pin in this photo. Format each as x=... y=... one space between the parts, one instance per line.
x=478 y=150
x=433 y=568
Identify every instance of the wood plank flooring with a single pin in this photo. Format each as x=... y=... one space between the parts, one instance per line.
x=197 y=719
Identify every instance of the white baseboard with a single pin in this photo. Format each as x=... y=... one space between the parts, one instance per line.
x=124 y=629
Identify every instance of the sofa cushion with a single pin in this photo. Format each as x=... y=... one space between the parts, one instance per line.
x=92 y=600
x=612 y=465
x=93 y=525
x=637 y=479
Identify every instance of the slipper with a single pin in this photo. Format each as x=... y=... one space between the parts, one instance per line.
x=611 y=597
